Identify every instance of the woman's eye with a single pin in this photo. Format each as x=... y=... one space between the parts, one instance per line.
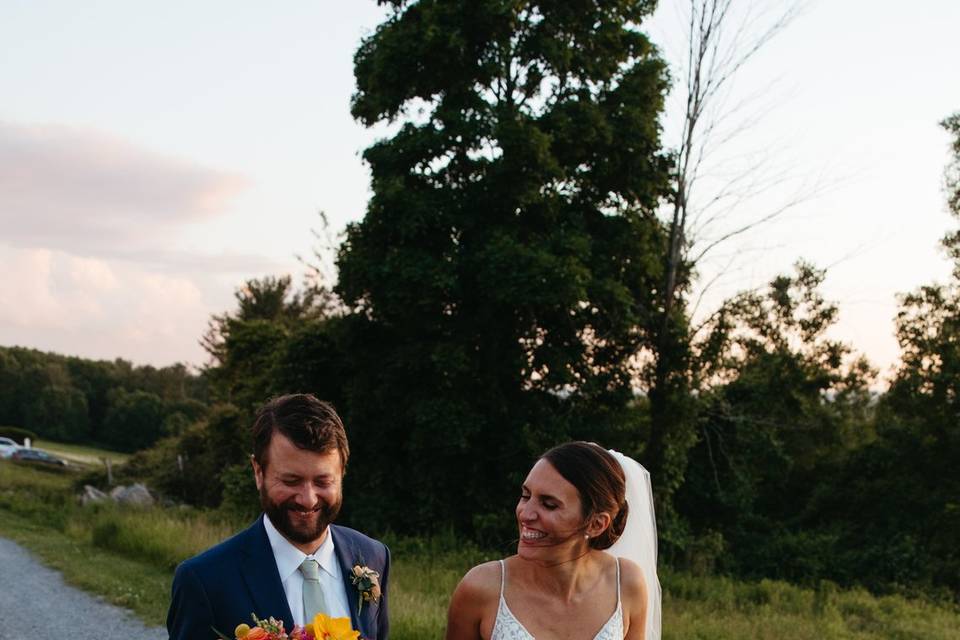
x=549 y=505
x=524 y=497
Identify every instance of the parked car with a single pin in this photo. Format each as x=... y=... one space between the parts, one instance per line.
x=38 y=456
x=7 y=447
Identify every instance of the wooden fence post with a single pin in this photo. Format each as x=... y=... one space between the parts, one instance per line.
x=109 y=466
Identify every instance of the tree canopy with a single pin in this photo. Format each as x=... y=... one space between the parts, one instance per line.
x=501 y=279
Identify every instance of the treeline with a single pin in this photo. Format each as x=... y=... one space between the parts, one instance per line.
x=514 y=284
x=797 y=470
x=115 y=404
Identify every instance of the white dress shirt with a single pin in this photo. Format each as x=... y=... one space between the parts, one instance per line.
x=289 y=559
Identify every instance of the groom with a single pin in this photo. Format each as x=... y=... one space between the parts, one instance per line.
x=292 y=562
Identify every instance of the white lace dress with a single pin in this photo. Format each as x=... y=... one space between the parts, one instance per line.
x=507 y=627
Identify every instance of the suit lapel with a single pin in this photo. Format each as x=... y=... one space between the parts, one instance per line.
x=345 y=556
x=259 y=570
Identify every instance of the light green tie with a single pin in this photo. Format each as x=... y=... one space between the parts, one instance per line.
x=313 y=600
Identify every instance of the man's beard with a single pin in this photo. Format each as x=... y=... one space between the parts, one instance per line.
x=283 y=520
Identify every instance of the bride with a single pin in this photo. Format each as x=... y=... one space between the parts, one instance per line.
x=585 y=566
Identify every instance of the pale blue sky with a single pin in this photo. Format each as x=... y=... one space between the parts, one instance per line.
x=154 y=155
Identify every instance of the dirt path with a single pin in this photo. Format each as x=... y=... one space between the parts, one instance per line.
x=35 y=602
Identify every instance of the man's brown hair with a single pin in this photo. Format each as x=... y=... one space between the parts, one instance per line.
x=309 y=423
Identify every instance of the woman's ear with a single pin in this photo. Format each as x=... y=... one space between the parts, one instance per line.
x=597 y=524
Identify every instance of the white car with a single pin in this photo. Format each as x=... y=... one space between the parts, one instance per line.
x=7 y=447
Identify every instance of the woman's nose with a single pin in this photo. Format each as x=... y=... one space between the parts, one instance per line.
x=527 y=513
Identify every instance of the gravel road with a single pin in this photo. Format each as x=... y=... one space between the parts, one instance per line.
x=35 y=602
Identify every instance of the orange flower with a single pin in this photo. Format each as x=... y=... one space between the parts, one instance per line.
x=327 y=628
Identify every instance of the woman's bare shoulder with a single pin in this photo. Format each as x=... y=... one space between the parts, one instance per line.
x=482 y=581
x=632 y=583
x=472 y=602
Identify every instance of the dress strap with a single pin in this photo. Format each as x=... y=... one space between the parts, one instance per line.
x=503 y=577
x=618 y=581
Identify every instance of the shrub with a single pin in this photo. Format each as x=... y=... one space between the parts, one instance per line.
x=17 y=434
x=241 y=500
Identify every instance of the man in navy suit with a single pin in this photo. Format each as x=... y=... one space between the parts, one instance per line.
x=300 y=454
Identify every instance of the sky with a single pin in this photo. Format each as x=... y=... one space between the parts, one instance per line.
x=154 y=156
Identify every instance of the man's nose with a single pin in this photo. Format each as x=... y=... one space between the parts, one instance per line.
x=307 y=495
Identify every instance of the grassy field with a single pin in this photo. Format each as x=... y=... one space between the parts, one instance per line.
x=128 y=558
x=80 y=454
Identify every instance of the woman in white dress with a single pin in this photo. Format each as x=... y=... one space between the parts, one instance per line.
x=565 y=581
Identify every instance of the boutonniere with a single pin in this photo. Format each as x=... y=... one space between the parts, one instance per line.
x=367 y=583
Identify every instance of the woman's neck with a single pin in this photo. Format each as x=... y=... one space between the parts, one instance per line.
x=564 y=578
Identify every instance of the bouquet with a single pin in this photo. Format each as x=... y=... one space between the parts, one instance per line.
x=321 y=628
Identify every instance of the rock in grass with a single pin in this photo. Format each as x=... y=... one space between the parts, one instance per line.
x=136 y=495
x=92 y=494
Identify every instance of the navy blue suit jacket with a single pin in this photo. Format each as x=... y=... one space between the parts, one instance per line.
x=222 y=586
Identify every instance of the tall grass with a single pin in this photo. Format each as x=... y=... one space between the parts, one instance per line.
x=108 y=543
x=162 y=537
x=721 y=608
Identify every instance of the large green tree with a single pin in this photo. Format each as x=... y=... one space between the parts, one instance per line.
x=501 y=281
x=246 y=346
x=786 y=405
x=135 y=420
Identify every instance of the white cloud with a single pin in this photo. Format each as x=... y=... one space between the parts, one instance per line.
x=96 y=308
x=88 y=192
x=26 y=299
x=91 y=262
x=93 y=274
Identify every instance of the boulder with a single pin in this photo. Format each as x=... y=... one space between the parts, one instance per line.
x=136 y=495
x=92 y=494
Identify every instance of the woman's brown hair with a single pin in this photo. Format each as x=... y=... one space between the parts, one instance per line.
x=600 y=481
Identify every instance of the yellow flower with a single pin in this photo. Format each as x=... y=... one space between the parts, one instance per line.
x=241 y=631
x=327 y=628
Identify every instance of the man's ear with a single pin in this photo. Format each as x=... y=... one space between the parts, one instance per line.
x=257 y=472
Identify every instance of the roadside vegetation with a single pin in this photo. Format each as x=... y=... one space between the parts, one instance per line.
x=128 y=555
x=86 y=456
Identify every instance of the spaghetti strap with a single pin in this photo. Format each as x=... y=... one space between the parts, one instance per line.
x=503 y=578
x=618 y=581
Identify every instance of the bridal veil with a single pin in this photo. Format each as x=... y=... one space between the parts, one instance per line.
x=639 y=539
